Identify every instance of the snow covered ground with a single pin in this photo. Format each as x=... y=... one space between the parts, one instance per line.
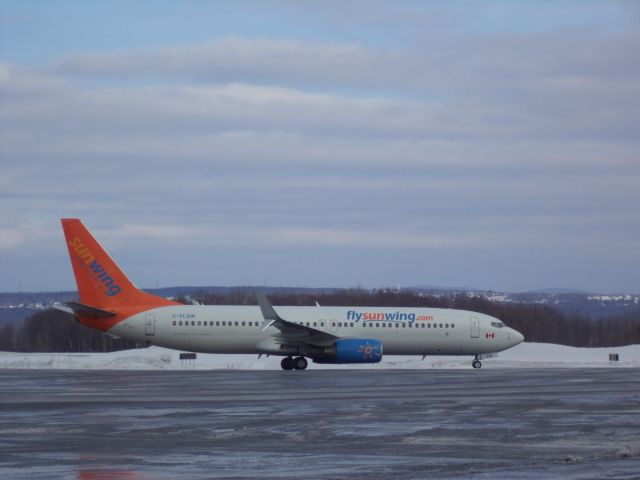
x=525 y=355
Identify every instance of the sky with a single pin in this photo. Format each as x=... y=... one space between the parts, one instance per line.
x=490 y=145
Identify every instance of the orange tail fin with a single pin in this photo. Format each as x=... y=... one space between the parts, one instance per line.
x=100 y=281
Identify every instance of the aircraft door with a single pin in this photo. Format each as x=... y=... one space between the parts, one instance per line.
x=475 y=327
x=149 y=324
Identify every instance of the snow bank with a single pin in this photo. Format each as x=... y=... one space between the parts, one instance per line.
x=525 y=355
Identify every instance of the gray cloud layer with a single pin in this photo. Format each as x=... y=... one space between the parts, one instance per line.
x=504 y=161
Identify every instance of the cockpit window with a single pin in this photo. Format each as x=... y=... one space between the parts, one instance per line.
x=497 y=324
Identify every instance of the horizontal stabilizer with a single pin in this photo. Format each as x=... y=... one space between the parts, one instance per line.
x=88 y=311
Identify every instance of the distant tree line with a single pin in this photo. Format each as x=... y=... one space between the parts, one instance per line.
x=55 y=331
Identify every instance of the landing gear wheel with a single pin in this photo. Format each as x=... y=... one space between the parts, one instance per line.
x=287 y=363
x=476 y=364
x=300 y=363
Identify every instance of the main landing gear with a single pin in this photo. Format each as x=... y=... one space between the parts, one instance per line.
x=476 y=363
x=290 y=363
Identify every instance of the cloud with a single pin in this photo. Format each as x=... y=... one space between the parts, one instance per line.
x=481 y=145
x=146 y=232
x=249 y=236
x=236 y=59
x=9 y=238
x=577 y=85
x=23 y=236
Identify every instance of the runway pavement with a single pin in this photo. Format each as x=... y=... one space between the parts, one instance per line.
x=321 y=424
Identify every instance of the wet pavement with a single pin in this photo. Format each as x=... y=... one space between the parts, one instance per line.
x=373 y=424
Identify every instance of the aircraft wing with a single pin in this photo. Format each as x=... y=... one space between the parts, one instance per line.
x=292 y=333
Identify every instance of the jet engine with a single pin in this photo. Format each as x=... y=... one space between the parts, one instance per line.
x=352 y=350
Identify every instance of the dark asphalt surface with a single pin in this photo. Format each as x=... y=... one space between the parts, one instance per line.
x=321 y=424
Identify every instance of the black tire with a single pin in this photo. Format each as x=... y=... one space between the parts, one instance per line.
x=287 y=363
x=300 y=363
x=476 y=364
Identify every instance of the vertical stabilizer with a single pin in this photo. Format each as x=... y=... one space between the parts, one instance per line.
x=100 y=281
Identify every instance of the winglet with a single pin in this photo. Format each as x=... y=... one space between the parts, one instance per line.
x=265 y=305
x=269 y=314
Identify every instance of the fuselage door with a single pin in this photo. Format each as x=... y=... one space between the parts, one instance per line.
x=475 y=327
x=149 y=324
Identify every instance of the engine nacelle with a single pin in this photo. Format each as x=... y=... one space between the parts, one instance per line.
x=352 y=350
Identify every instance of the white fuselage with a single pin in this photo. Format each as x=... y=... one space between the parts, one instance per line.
x=242 y=329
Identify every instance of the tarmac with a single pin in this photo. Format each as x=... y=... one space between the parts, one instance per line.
x=321 y=424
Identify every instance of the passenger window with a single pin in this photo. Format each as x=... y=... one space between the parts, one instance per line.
x=224 y=324
x=410 y=325
x=315 y=324
x=333 y=324
x=453 y=325
x=384 y=325
x=339 y=324
x=199 y=323
x=236 y=324
x=193 y=323
x=180 y=323
x=428 y=325
x=377 y=325
x=243 y=324
x=174 y=323
x=446 y=325
x=351 y=325
x=404 y=325
x=217 y=324
x=322 y=324
x=440 y=325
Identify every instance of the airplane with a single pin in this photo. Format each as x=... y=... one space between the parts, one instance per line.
x=111 y=303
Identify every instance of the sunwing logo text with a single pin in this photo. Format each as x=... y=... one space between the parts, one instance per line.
x=386 y=316
x=111 y=287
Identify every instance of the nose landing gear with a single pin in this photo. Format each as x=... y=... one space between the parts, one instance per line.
x=290 y=363
x=476 y=363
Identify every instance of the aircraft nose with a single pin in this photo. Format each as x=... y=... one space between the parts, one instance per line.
x=518 y=338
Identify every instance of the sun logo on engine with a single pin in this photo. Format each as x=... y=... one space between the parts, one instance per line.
x=367 y=351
